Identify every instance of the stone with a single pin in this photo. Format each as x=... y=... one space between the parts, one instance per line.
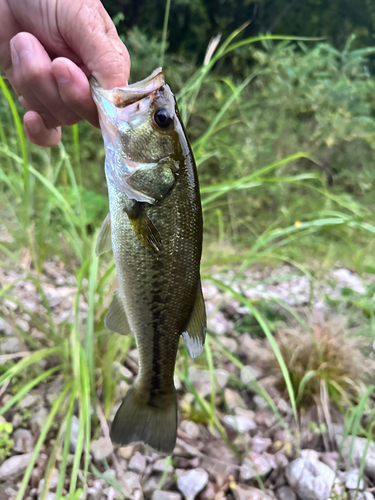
x=74 y=430
x=239 y=423
x=10 y=345
x=191 y=429
x=39 y=418
x=221 y=377
x=192 y=482
x=359 y=448
x=244 y=492
x=165 y=495
x=228 y=343
x=160 y=465
x=361 y=495
x=137 y=463
x=218 y=324
x=260 y=444
x=233 y=399
x=249 y=373
x=352 y=479
x=285 y=493
x=126 y=452
x=309 y=478
x=256 y=465
x=29 y=400
x=330 y=459
x=52 y=483
x=14 y=467
x=23 y=441
x=201 y=379
x=101 y=448
x=307 y=453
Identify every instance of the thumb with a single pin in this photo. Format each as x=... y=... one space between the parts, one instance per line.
x=89 y=32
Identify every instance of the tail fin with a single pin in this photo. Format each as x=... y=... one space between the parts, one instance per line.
x=137 y=421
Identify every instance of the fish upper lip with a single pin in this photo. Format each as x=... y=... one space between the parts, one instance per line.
x=130 y=93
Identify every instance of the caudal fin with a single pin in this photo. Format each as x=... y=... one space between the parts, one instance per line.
x=137 y=421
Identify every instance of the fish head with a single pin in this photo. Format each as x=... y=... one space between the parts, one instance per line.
x=140 y=126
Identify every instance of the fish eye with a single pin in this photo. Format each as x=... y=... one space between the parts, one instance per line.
x=163 y=117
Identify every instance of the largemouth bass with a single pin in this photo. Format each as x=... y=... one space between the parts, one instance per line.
x=154 y=228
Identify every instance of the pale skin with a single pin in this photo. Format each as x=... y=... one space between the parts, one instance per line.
x=48 y=49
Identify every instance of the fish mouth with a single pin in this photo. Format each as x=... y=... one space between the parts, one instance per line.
x=123 y=96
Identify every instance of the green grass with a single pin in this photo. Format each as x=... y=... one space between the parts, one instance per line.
x=45 y=211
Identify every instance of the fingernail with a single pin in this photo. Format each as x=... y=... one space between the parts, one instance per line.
x=21 y=47
x=63 y=74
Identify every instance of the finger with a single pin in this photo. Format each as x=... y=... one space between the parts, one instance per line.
x=9 y=28
x=90 y=33
x=35 y=81
x=74 y=89
x=38 y=133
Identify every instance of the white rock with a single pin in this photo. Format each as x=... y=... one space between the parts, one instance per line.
x=310 y=479
x=249 y=373
x=359 y=448
x=101 y=448
x=239 y=423
x=165 y=495
x=285 y=493
x=192 y=482
x=190 y=428
x=352 y=478
x=14 y=467
x=257 y=465
x=221 y=377
x=137 y=463
x=23 y=441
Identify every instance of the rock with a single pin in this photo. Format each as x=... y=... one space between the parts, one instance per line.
x=7 y=492
x=256 y=465
x=359 y=448
x=233 y=399
x=218 y=324
x=126 y=451
x=165 y=495
x=260 y=402
x=249 y=373
x=6 y=328
x=151 y=485
x=244 y=492
x=74 y=434
x=16 y=420
x=53 y=482
x=228 y=343
x=137 y=463
x=14 y=467
x=130 y=481
x=221 y=377
x=310 y=454
x=101 y=448
x=201 y=379
x=160 y=465
x=285 y=493
x=191 y=429
x=192 y=482
x=330 y=459
x=310 y=479
x=30 y=400
x=352 y=479
x=361 y=495
x=23 y=441
x=260 y=444
x=10 y=345
x=39 y=418
x=208 y=493
x=239 y=423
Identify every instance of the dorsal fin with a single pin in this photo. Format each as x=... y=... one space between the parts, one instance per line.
x=195 y=331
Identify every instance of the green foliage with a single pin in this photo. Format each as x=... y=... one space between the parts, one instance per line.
x=6 y=443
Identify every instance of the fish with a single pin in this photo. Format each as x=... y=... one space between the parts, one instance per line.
x=154 y=227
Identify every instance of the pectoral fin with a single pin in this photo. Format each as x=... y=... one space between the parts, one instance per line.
x=116 y=319
x=154 y=182
x=104 y=243
x=144 y=228
x=195 y=332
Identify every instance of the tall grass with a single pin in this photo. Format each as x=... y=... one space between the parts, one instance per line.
x=43 y=211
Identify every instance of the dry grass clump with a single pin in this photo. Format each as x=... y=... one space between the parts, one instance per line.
x=325 y=357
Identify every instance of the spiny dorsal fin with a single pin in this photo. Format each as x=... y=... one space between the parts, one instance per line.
x=195 y=332
x=104 y=243
x=115 y=318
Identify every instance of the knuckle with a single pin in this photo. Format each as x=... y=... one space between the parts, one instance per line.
x=48 y=119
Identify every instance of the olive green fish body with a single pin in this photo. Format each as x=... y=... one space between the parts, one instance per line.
x=156 y=235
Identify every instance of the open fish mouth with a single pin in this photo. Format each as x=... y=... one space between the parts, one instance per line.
x=123 y=96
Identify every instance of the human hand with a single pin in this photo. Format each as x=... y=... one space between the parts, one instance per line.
x=48 y=49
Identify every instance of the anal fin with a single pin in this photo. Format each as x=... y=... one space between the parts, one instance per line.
x=195 y=331
x=115 y=318
x=104 y=243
